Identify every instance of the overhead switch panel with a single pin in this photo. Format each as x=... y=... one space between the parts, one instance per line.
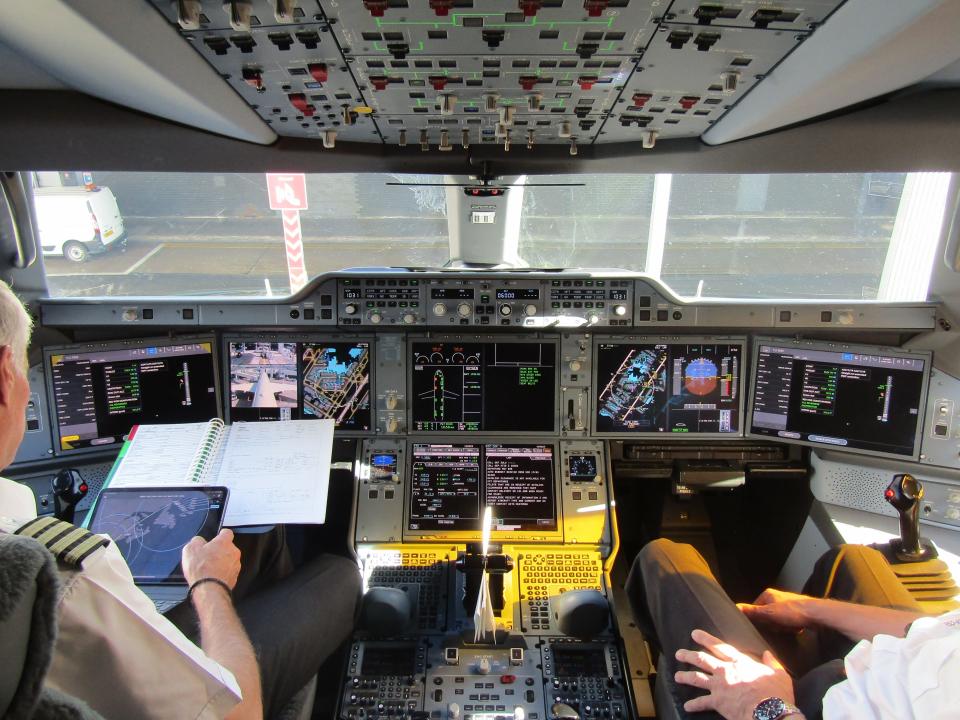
x=459 y=73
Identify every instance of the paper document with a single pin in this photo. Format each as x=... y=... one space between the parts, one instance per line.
x=287 y=463
x=277 y=472
x=484 y=623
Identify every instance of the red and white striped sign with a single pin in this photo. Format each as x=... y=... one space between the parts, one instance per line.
x=293 y=240
x=288 y=194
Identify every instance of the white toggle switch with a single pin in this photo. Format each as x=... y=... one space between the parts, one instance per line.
x=483 y=667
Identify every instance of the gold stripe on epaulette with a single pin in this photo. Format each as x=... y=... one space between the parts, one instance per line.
x=69 y=543
x=37 y=526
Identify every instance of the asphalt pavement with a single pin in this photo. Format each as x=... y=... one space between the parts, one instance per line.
x=243 y=256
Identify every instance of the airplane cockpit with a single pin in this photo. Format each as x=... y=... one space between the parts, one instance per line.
x=562 y=277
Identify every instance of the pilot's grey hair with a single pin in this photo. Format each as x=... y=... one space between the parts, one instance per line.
x=15 y=325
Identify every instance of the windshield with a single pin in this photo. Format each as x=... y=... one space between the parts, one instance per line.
x=819 y=236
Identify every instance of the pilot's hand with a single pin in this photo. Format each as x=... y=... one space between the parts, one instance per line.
x=784 y=609
x=736 y=683
x=219 y=559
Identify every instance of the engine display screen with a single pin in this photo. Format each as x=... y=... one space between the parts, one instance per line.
x=870 y=399
x=100 y=394
x=451 y=485
x=474 y=387
x=672 y=388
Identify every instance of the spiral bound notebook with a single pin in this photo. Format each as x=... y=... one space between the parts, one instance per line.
x=277 y=472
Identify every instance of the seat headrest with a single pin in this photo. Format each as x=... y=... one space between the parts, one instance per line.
x=28 y=597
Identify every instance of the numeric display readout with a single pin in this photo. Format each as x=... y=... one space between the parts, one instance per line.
x=474 y=387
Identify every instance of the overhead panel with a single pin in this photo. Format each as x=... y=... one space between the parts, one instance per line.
x=691 y=74
x=754 y=14
x=448 y=74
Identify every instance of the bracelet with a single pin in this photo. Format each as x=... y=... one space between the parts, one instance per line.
x=216 y=581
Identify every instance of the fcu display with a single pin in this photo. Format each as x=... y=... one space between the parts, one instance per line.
x=669 y=388
x=494 y=387
x=301 y=380
x=99 y=395
x=867 y=399
x=451 y=484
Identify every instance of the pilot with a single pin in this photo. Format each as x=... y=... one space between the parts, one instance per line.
x=856 y=645
x=116 y=653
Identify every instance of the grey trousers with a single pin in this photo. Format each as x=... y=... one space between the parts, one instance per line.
x=672 y=592
x=295 y=618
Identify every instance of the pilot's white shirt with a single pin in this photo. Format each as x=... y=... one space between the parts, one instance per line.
x=892 y=678
x=114 y=650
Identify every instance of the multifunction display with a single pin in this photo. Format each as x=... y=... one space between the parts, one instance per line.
x=870 y=400
x=472 y=387
x=669 y=387
x=452 y=484
x=99 y=395
x=300 y=380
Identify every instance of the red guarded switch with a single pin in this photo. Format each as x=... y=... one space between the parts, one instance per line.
x=253 y=78
x=530 y=8
x=586 y=82
x=528 y=81
x=379 y=82
x=688 y=101
x=376 y=7
x=439 y=82
x=641 y=99
x=441 y=7
x=318 y=71
x=299 y=101
x=595 y=7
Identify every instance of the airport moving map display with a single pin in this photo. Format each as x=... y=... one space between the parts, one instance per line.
x=336 y=383
x=675 y=388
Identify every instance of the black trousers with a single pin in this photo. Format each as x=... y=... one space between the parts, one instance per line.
x=295 y=618
x=672 y=592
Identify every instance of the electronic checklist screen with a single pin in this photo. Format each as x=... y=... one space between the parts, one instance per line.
x=693 y=387
x=868 y=399
x=483 y=386
x=451 y=484
x=100 y=391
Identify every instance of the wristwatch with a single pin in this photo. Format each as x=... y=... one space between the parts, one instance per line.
x=774 y=708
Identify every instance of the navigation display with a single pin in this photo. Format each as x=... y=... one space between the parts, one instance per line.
x=472 y=387
x=100 y=394
x=674 y=388
x=451 y=484
x=336 y=383
x=867 y=399
x=272 y=380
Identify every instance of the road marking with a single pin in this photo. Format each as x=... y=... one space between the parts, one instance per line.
x=146 y=257
x=129 y=270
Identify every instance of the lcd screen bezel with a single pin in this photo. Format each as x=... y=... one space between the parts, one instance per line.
x=465 y=339
x=107 y=346
x=298 y=339
x=627 y=340
x=509 y=536
x=829 y=346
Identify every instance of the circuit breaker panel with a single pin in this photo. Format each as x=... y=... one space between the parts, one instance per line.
x=446 y=74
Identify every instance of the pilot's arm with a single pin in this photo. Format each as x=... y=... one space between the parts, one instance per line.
x=211 y=569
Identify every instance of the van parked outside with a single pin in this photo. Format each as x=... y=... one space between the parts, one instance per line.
x=76 y=222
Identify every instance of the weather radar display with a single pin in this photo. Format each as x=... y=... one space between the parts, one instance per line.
x=675 y=388
x=336 y=383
